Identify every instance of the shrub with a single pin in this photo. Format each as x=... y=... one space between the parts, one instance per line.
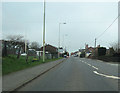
x=101 y=51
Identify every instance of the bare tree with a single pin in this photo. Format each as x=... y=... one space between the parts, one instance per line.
x=15 y=38
x=35 y=45
x=16 y=43
x=115 y=46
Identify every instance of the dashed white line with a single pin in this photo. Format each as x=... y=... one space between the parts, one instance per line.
x=95 y=67
x=89 y=65
x=108 y=76
x=113 y=77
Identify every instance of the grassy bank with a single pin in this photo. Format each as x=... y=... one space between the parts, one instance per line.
x=12 y=64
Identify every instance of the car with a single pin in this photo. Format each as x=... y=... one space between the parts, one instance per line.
x=75 y=55
x=65 y=56
x=24 y=54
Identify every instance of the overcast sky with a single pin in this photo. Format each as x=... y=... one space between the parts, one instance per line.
x=85 y=21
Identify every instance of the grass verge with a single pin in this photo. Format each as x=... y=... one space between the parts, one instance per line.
x=12 y=64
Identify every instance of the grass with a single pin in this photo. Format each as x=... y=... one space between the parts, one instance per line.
x=12 y=64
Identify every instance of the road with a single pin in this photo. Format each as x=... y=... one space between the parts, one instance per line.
x=77 y=74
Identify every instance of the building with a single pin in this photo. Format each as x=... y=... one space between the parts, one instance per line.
x=91 y=51
x=50 y=50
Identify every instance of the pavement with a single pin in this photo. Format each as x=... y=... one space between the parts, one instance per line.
x=16 y=79
x=77 y=74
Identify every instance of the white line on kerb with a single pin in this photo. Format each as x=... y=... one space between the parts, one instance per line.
x=113 y=77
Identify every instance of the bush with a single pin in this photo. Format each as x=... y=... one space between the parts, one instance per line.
x=101 y=51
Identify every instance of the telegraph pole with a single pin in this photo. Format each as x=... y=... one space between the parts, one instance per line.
x=25 y=42
x=95 y=42
x=44 y=34
x=95 y=47
x=25 y=45
x=118 y=45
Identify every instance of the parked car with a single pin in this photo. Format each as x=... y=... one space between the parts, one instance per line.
x=24 y=54
x=65 y=56
x=75 y=55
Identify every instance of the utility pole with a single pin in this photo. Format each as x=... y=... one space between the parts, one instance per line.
x=95 y=42
x=25 y=45
x=118 y=46
x=44 y=34
x=95 y=47
x=63 y=42
x=25 y=42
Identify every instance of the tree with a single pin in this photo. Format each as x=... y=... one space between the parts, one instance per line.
x=115 y=46
x=4 y=50
x=16 y=43
x=15 y=38
x=101 y=51
x=35 y=45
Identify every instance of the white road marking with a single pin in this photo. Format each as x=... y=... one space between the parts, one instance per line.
x=112 y=64
x=108 y=76
x=113 y=77
x=81 y=61
x=90 y=65
x=95 y=67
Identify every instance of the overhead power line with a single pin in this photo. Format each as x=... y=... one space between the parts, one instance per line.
x=108 y=27
x=105 y=30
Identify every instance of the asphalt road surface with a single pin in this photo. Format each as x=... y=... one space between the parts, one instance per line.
x=77 y=74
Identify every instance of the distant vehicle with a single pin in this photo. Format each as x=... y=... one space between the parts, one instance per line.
x=75 y=55
x=24 y=54
x=65 y=56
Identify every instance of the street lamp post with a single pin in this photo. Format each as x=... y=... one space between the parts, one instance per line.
x=44 y=34
x=59 y=39
x=64 y=39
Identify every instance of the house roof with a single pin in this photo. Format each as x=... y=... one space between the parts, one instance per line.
x=48 y=45
x=50 y=48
